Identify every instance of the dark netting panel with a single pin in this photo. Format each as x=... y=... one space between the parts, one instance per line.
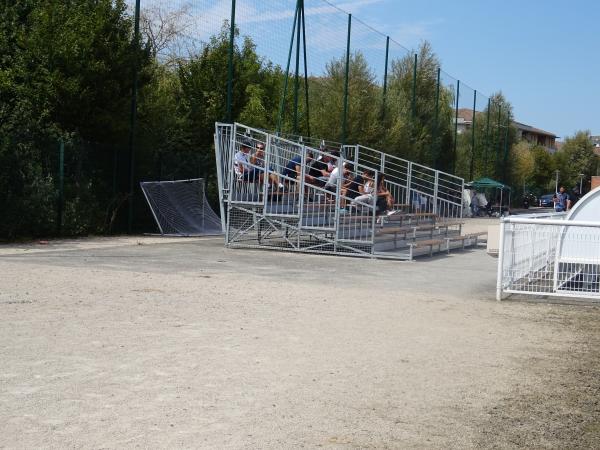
x=180 y=207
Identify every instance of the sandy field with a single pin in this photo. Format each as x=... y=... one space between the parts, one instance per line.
x=145 y=342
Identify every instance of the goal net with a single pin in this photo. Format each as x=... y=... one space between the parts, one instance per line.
x=180 y=207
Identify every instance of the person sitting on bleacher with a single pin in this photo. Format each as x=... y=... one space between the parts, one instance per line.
x=333 y=161
x=243 y=170
x=258 y=160
x=385 y=201
x=318 y=171
x=345 y=182
x=293 y=167
x=366 y=190
x=355 y=185
x=331 y=184
x=313 y=171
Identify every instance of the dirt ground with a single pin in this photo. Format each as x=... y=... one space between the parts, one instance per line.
x=168 y=343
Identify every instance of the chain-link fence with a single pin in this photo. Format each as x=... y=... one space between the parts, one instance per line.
x=297 y=67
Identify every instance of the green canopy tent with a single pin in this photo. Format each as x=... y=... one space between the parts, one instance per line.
x=488 y=183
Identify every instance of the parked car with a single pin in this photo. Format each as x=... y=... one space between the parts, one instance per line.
x=546 y=201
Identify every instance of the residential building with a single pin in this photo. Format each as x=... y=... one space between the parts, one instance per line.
x=536 y=136
x=526 y=132
x=465 y=120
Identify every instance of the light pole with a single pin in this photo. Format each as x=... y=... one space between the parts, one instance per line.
x=581 y=175
x=556 y=181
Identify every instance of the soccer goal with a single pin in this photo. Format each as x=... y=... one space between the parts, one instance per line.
x=180 y=208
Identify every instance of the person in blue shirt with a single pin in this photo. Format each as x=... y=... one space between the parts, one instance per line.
x=292 y=168
x=562 y=201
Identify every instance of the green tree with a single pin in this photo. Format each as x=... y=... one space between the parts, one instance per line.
x=327 y=102
x=427 y=137
x=575 y=157
x=180 y=107
x=542 y=173
x=65 y=71
x=497 y=149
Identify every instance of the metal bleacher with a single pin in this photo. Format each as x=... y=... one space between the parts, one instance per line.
x=292 y=213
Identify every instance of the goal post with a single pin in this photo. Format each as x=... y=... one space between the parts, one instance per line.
x=180 y=208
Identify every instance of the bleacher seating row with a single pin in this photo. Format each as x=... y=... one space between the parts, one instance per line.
x=279 y=211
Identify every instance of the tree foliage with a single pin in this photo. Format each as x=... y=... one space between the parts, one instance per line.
x=66 y=74
x=576 y=157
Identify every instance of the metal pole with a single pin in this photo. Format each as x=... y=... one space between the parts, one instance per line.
x=500 y=271
x=345 y=116
x=374 y=213
x=456 y=124
x=505 y=162
x=220 y=170
x=287 y=74
x=487 y=137
x=305 y=68
x=435 y=192
x=414 y=90
x=297 y=79
x=385 y=76
x=581 y=175
x=471 y=166
x=229 y=118
x=556 y=181
x=436 y=148
x=497 y=171
x=61 y=185
x=135 y=48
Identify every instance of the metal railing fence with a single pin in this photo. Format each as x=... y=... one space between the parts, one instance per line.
x=270 y=204
x=284 y=194
x=549 y=257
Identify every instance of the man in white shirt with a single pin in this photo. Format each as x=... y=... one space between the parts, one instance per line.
x=333 y=177
x=241 y=163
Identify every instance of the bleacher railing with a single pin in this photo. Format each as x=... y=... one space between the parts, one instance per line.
x=419 y=187
x=264 y=205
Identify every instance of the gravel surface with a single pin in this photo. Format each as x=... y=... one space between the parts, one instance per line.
x=163 y=343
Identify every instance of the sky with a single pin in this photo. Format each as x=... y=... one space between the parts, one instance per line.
x=541 y=54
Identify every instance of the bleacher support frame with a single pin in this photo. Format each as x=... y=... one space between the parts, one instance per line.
x=308 y=218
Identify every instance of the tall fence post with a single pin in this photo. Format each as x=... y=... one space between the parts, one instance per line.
x=472 y=164
x=436 y=146
x=435 y=192
x=497 y=169
x=230 y=64
x=61 y=186
x=287 y=73
x=506 y=135
x=385 y=77
x=455 y=126
x=135 y=48
x=408 y=183
x=345 y=114
x=297 y=76
x=414 y=90
x=305 y=68
x=487 y=138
